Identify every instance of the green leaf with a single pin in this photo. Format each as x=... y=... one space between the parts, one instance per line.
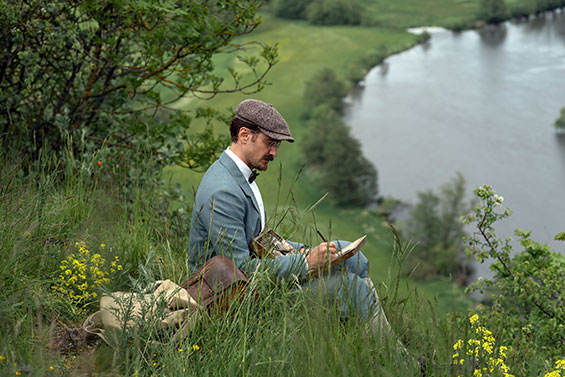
x=560 y=236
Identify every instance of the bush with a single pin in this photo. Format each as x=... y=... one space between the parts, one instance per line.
x=493 y=11
x=94 y=74
x=435 y=224
x=334 y=12
x=527 y=287
x=292 y=9
x=336 y=160
x=325 y=88
x=358 y=70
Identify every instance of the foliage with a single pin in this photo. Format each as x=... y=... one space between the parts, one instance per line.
x=527 y=288
x=83 y=274
x=480 y=354
x=359 y=69
x=105 y=73
x=559 y=369
x=543 y=5
x=435 y=224
x=560 y=122
x=493 y=11
x=292 y=9
x=334 y=12
x=320 y=12
x=325 y=88
x=336 y=160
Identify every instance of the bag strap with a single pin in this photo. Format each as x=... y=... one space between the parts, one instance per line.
x=92 y=326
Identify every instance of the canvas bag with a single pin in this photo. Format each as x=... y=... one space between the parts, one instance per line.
x=167 y=307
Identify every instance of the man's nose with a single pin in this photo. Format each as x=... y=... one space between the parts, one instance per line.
x=274 y=152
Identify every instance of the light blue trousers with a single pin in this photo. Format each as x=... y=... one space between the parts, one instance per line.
x=345 y=287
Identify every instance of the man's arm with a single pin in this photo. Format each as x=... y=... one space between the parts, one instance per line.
x=224 y=215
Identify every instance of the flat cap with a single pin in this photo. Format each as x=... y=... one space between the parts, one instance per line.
x=264 y=116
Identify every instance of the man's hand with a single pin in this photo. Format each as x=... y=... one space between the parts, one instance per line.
x=320 y=256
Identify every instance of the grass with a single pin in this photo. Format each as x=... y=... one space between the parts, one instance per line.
x=283 y=333
x=280 y=332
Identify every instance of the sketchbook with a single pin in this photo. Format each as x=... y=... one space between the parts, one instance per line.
x=269 y=244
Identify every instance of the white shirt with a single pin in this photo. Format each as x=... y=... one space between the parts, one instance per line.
x=246 y=171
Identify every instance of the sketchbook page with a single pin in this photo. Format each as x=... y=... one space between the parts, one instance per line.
x=350 y=249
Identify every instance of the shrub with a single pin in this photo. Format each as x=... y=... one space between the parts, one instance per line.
x=527 y=286
x=292 y=9
x=435 y=224
x=325 y=88
x=336 y=160
x=334 y=12
x=493 y=11
x=94 y=74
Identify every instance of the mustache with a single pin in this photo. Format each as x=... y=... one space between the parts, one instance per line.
x=269 y=157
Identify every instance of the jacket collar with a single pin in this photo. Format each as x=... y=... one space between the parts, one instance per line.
x=240 y=179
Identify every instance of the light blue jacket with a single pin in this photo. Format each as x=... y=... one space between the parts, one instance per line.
x=225 y=219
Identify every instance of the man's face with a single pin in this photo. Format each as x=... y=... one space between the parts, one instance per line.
x=261 y=150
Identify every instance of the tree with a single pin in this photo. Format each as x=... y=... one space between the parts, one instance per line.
x=493 y=11
x=98 y=73
x=434 y=224
x=325 y=88
x=336 y=161
x=292 y=9
x=334 y=12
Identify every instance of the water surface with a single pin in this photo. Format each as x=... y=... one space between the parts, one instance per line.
x=479 y=102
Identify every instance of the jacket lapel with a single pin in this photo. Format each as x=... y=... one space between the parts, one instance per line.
x=230 y=165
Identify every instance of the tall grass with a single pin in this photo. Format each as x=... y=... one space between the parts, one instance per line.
x=280 y=331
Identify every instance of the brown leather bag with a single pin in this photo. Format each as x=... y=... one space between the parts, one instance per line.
x=216 y=284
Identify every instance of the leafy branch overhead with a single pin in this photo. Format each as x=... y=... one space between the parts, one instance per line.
x=106 y=70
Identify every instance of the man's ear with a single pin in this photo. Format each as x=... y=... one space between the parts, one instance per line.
x=244 y=134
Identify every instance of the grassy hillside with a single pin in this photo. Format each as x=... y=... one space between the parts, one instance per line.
x=86 y=226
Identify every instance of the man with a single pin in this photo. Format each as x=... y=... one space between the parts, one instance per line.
x=228 y=213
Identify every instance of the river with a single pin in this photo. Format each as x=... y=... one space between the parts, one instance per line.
x=479 y=102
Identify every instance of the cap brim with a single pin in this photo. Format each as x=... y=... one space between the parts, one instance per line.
x=277 y=136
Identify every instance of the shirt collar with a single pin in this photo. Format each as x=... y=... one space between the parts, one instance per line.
x=245 y=170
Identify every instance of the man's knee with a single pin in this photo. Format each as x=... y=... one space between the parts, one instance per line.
x=357 y=264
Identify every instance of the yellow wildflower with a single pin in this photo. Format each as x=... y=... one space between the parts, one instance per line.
x=554 y=373
x=195 y=347
x=51 y=367
x=18 y=373
x=560 y=364
x=474 y=318
x=2 y=358
x=180 y=349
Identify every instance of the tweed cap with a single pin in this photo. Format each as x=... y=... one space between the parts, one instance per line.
x=264 y=116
